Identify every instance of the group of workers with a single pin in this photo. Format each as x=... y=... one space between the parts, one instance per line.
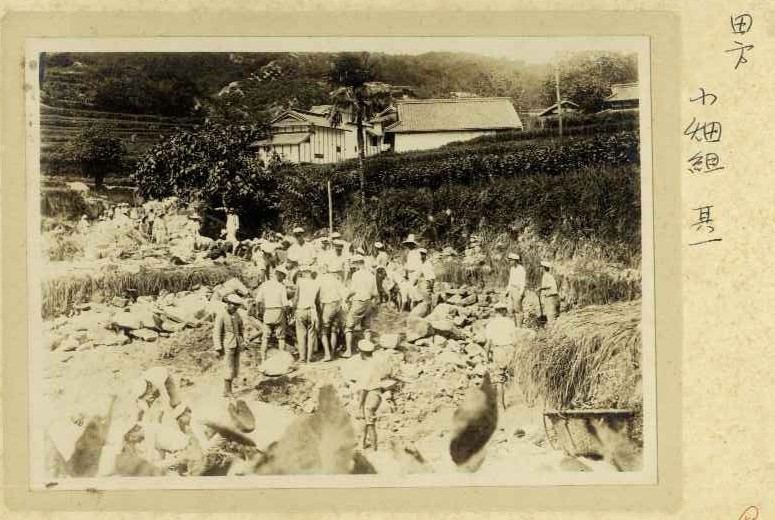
x=324 y=290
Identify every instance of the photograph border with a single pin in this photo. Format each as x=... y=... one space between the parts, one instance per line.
x=667 y=267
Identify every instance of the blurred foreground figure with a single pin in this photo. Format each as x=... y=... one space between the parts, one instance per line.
x=473 y=423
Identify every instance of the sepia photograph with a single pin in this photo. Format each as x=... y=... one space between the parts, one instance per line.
x=341 y=262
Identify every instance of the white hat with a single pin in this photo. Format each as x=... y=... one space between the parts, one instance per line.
x=357 y=259
x=423 y=250
x=268 y=247
x=305 y=267
x=379 y=245
x=298 y=230
x=365 y=345
x=339 y=243
x=336 y=235
x=544 y=263
x=233 y=299
x=500 y=305
x=513 y=256
x=410 y=239
x=281 y=269
x=360 y=251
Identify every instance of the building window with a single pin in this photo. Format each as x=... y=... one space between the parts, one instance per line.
x=339 y=149
x=374 y=140
x=318 y=156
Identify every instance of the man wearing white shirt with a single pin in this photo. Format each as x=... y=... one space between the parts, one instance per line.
x=301 y=251
x=549 y=293
x=361 y=295
x=516 y=287
x=413 y=259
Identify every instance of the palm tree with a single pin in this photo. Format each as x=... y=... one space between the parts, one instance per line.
x=359 y=96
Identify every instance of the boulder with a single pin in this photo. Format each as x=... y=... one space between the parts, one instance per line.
x=446 y=328
x=144 y=299
x=144 y=334
x=442 y=310
x=69 y=344
x=172 y=326
x=277 y=364
x=126 y=321
x=420 y=310
x=456 y=299
x=475 y=351
x=389 y=341
x=469 y=300
x=479 y=369
x=452 y=344
x=119 y=301
x=452 y=358
x=483 y=299
x=110 y=339
x=459 y=321
x=439 y=341
x=417 y=328
x=424 y=342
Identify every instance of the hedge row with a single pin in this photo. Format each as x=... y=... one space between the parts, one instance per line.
x=471 y=164
x=303 y=197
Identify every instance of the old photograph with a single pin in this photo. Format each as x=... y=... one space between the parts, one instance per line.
x=341 y=262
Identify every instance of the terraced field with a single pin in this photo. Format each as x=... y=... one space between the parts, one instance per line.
x=67 y=109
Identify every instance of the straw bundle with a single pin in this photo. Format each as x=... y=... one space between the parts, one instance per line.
x=589 y=358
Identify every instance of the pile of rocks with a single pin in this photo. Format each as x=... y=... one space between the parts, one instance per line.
x=121 y=321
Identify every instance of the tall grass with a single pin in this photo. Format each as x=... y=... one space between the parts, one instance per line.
x=589 y=358
x=62 y=293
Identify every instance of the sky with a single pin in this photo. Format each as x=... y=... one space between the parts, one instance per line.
x=531 y=50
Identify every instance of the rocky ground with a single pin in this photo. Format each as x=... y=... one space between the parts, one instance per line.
x=436 y=359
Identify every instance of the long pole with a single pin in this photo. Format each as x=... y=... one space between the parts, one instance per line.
x=330 y=210
x=559 y=100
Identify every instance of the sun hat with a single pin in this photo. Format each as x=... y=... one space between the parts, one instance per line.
x=365 y=345
x=360 y=251
x=305 y=267
x=544 y=263
x=422 y=250
x=339 y=243
x=410 y=239
x=298 y=230
x=281 y=269
x=500 y=305
x=513 y=256
x=336 y=235
x=356 y=259
x=379 y=245
x=233 y=299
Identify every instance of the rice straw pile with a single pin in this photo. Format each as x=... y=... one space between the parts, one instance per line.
x=589 y=358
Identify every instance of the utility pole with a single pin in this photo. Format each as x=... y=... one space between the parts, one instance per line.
x=330 y=211
x=559 y=100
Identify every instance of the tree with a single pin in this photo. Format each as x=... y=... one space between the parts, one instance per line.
x=586 y=77
x=98 y=151
x=359 y=96
x=213 y=166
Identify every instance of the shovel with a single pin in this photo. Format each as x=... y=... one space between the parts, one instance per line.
x=541 y=320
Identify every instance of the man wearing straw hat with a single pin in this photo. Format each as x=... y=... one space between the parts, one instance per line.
x=413 y=259
x=332 y=294
x=426 y=278
x=229 y=338
x=305 y=304
x=374 y=378
x=337 y=261
x=361 y=296
x=272 y=300
x=548 y=293
x=501 y=335
x=516 y=287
